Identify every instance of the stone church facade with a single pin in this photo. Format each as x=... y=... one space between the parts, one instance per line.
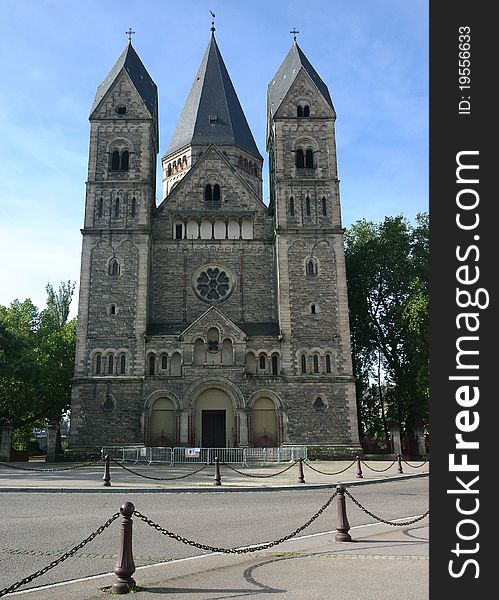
x=212 y=319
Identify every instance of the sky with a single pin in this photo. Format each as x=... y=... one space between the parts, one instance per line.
x=372 y=54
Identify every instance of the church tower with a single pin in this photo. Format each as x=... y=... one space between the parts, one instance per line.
x=305 y=201
x=120 y=196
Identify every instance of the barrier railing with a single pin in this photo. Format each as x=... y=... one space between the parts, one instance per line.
x=124 y=567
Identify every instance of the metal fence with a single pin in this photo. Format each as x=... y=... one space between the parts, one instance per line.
x=173 y=456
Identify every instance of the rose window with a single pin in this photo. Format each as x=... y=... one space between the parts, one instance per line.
x=213 y=284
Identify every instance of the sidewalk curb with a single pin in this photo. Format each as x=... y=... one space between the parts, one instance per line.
x=198 y=490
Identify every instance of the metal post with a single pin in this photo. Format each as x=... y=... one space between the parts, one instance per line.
x=125 y=567
x=342 y=524
x=218 y=479
x=301 y=478
x=359 y=469
x=107 y=472
x=399 y=460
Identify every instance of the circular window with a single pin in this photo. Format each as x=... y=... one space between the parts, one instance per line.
x=213 y=283
x=120 y=110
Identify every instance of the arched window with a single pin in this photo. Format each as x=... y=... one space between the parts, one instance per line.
x=300 y=159
x=316 y=363
x=152 y=364
x=306 y=111
x=292 y=206
x=100 y=207
x=122 y=364
x=313 y=309
x=216 y=193
x=164 y=362
x=309 y=159
x=328 y=363
x=213 y=340
x=125 y=160
x=116 y=208
x=112 y=309
x=299 y=111
x=114 y=268
x=169 y=170
x=303 y=363
x=319 y=404
x=307 y=206
x=133 y=210
x=275 y=364
x=98 y=364
x=110 y=364
x=311 y=268
x=115 y=160
x=324 y=206
x=262 y=362
x=208 y=194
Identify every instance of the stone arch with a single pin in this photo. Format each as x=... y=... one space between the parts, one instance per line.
x=266 y=419
x=161 y=429
x=194 y=390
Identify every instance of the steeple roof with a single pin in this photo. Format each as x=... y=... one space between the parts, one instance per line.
x=287 y=73
x=145 y=86
x=212 y=113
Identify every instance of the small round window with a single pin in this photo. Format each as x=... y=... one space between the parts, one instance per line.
x=120 y=110
x=213 y=283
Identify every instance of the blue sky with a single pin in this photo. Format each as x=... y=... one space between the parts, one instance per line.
x=372 y=54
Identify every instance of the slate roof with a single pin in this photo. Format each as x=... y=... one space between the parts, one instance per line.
x=212 y=113
x=287 y=73
x=130 y=61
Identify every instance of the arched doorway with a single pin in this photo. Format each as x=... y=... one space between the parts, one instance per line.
x=214 y=419
x=264 y=423
x=162 y=427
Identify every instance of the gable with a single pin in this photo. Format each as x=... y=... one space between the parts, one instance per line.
x=212 y=318
x=304 y=90
x=213 y=168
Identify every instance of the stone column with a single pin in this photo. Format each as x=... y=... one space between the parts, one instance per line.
x=184 y=428
x=395 y=436
x=51 y=441
x=243 y=428
x=5 y=442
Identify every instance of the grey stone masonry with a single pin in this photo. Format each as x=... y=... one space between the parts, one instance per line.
x=213 y=318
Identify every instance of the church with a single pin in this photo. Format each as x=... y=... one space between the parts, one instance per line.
x=211 y=319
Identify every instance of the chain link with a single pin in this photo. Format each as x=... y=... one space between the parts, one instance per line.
x=255 y=548
x=61 y=559
x=93 y=462
x=324 y=473
x=368 y=512
x=259 y=476
x=416 y=466
x=378 y=470
x=159 y=478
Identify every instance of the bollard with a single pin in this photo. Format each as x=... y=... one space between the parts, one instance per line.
x=359 y=469
x=107 y=472
x=301 y=478
x=125 y=567
x=399 y=460
x=218 y=479
x=342 y=524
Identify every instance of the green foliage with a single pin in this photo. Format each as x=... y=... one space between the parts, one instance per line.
x=387 y=270
x=36 y=359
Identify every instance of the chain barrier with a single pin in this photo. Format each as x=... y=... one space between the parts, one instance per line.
x=87 y=464
x=254 y=548
x=378 y=470
x=159 y=478
x=259 y=476
x=416 y=466
x=368 y=512
x=61 y=559
x=324 y=473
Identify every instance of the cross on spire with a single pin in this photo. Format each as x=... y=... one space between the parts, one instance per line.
x=129 y=33
x=212 y=21
x=294 y=31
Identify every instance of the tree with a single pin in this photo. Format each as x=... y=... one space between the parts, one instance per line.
x=387 y=270
x=36 y=359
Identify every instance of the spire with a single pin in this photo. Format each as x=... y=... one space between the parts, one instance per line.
x=212 y=113
x=145 y=86
x=287 y=73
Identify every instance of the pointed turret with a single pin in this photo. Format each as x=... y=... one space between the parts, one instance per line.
x=287 y=73
x=212 y=114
